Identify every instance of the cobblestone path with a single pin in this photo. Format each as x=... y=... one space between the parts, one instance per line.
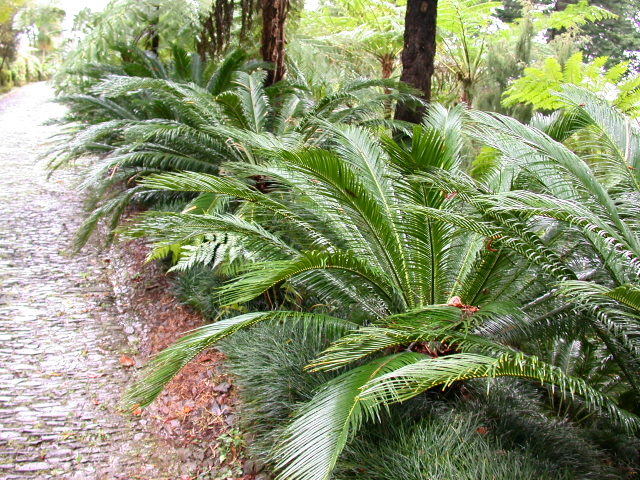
x=60 y=337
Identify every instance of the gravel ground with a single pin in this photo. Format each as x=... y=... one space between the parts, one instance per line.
x=61 y=336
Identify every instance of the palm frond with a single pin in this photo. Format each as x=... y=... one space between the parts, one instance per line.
x=410 y=380
x=319 y=432
x=165 y=365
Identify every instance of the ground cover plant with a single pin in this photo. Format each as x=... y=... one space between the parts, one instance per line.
x=444 y=292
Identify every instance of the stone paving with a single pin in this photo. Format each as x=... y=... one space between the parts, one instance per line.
x=60 y=338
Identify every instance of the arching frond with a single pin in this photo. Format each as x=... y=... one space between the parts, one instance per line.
x=165 y=365
x=320 y=430
x=424 y=374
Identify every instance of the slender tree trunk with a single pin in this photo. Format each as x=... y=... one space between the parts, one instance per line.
x=387 y=64
x=155 y=42
x=223 y=18
x=155 y=32
x=466 y=92
x=247 y=9
x=204 y=44
x=274 y=15
x=215 y=32
x=418 y=54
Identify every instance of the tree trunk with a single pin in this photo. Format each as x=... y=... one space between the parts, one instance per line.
x=274 y=14
x=215 y=32
x=224 y=19
x=155 y=42
x=154 y=32
x=418 y=54
x=247 y=9
x=562 y=5
x=387 y=64
x=466 y=92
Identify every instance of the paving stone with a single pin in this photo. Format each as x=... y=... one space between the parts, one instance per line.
x=32 y=467
x=60 y=333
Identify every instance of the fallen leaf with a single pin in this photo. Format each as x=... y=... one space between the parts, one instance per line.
x=127 y=361
x=137 y=411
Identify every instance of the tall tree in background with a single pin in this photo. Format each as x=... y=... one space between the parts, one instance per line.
x=362 y=30
x=8 y=43
x=274 y=15
x=216 y=29
x=154 y=30
x=41 y=24
x=8 y=33
x=616 y=38
x=247 y=10
x=418 y=54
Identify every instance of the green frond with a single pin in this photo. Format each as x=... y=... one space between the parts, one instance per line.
x=606 y=239
x=262 y=276
x=313 y=441
x=621 y=138
x=221 y=79
x=527 y=144
x=253 y=99
x=114 y=208
x=166 y=364
x=424 y=374
x=441 y=327
x=627 y=294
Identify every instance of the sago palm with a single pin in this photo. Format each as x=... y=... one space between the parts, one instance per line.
x=585 y=202
x=368 y=227
x=140 y=125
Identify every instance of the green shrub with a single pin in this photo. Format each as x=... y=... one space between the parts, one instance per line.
x=25 y=70
x=268 y=365
x=483 y=434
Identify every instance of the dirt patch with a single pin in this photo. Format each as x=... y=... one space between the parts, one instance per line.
x=197 y=410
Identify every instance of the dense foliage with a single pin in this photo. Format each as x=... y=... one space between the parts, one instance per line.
x=29 y=32
x=452 y=298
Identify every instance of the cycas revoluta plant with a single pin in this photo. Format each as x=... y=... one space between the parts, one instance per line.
x=427 y=269
x=182 y=118
x=586 y=205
